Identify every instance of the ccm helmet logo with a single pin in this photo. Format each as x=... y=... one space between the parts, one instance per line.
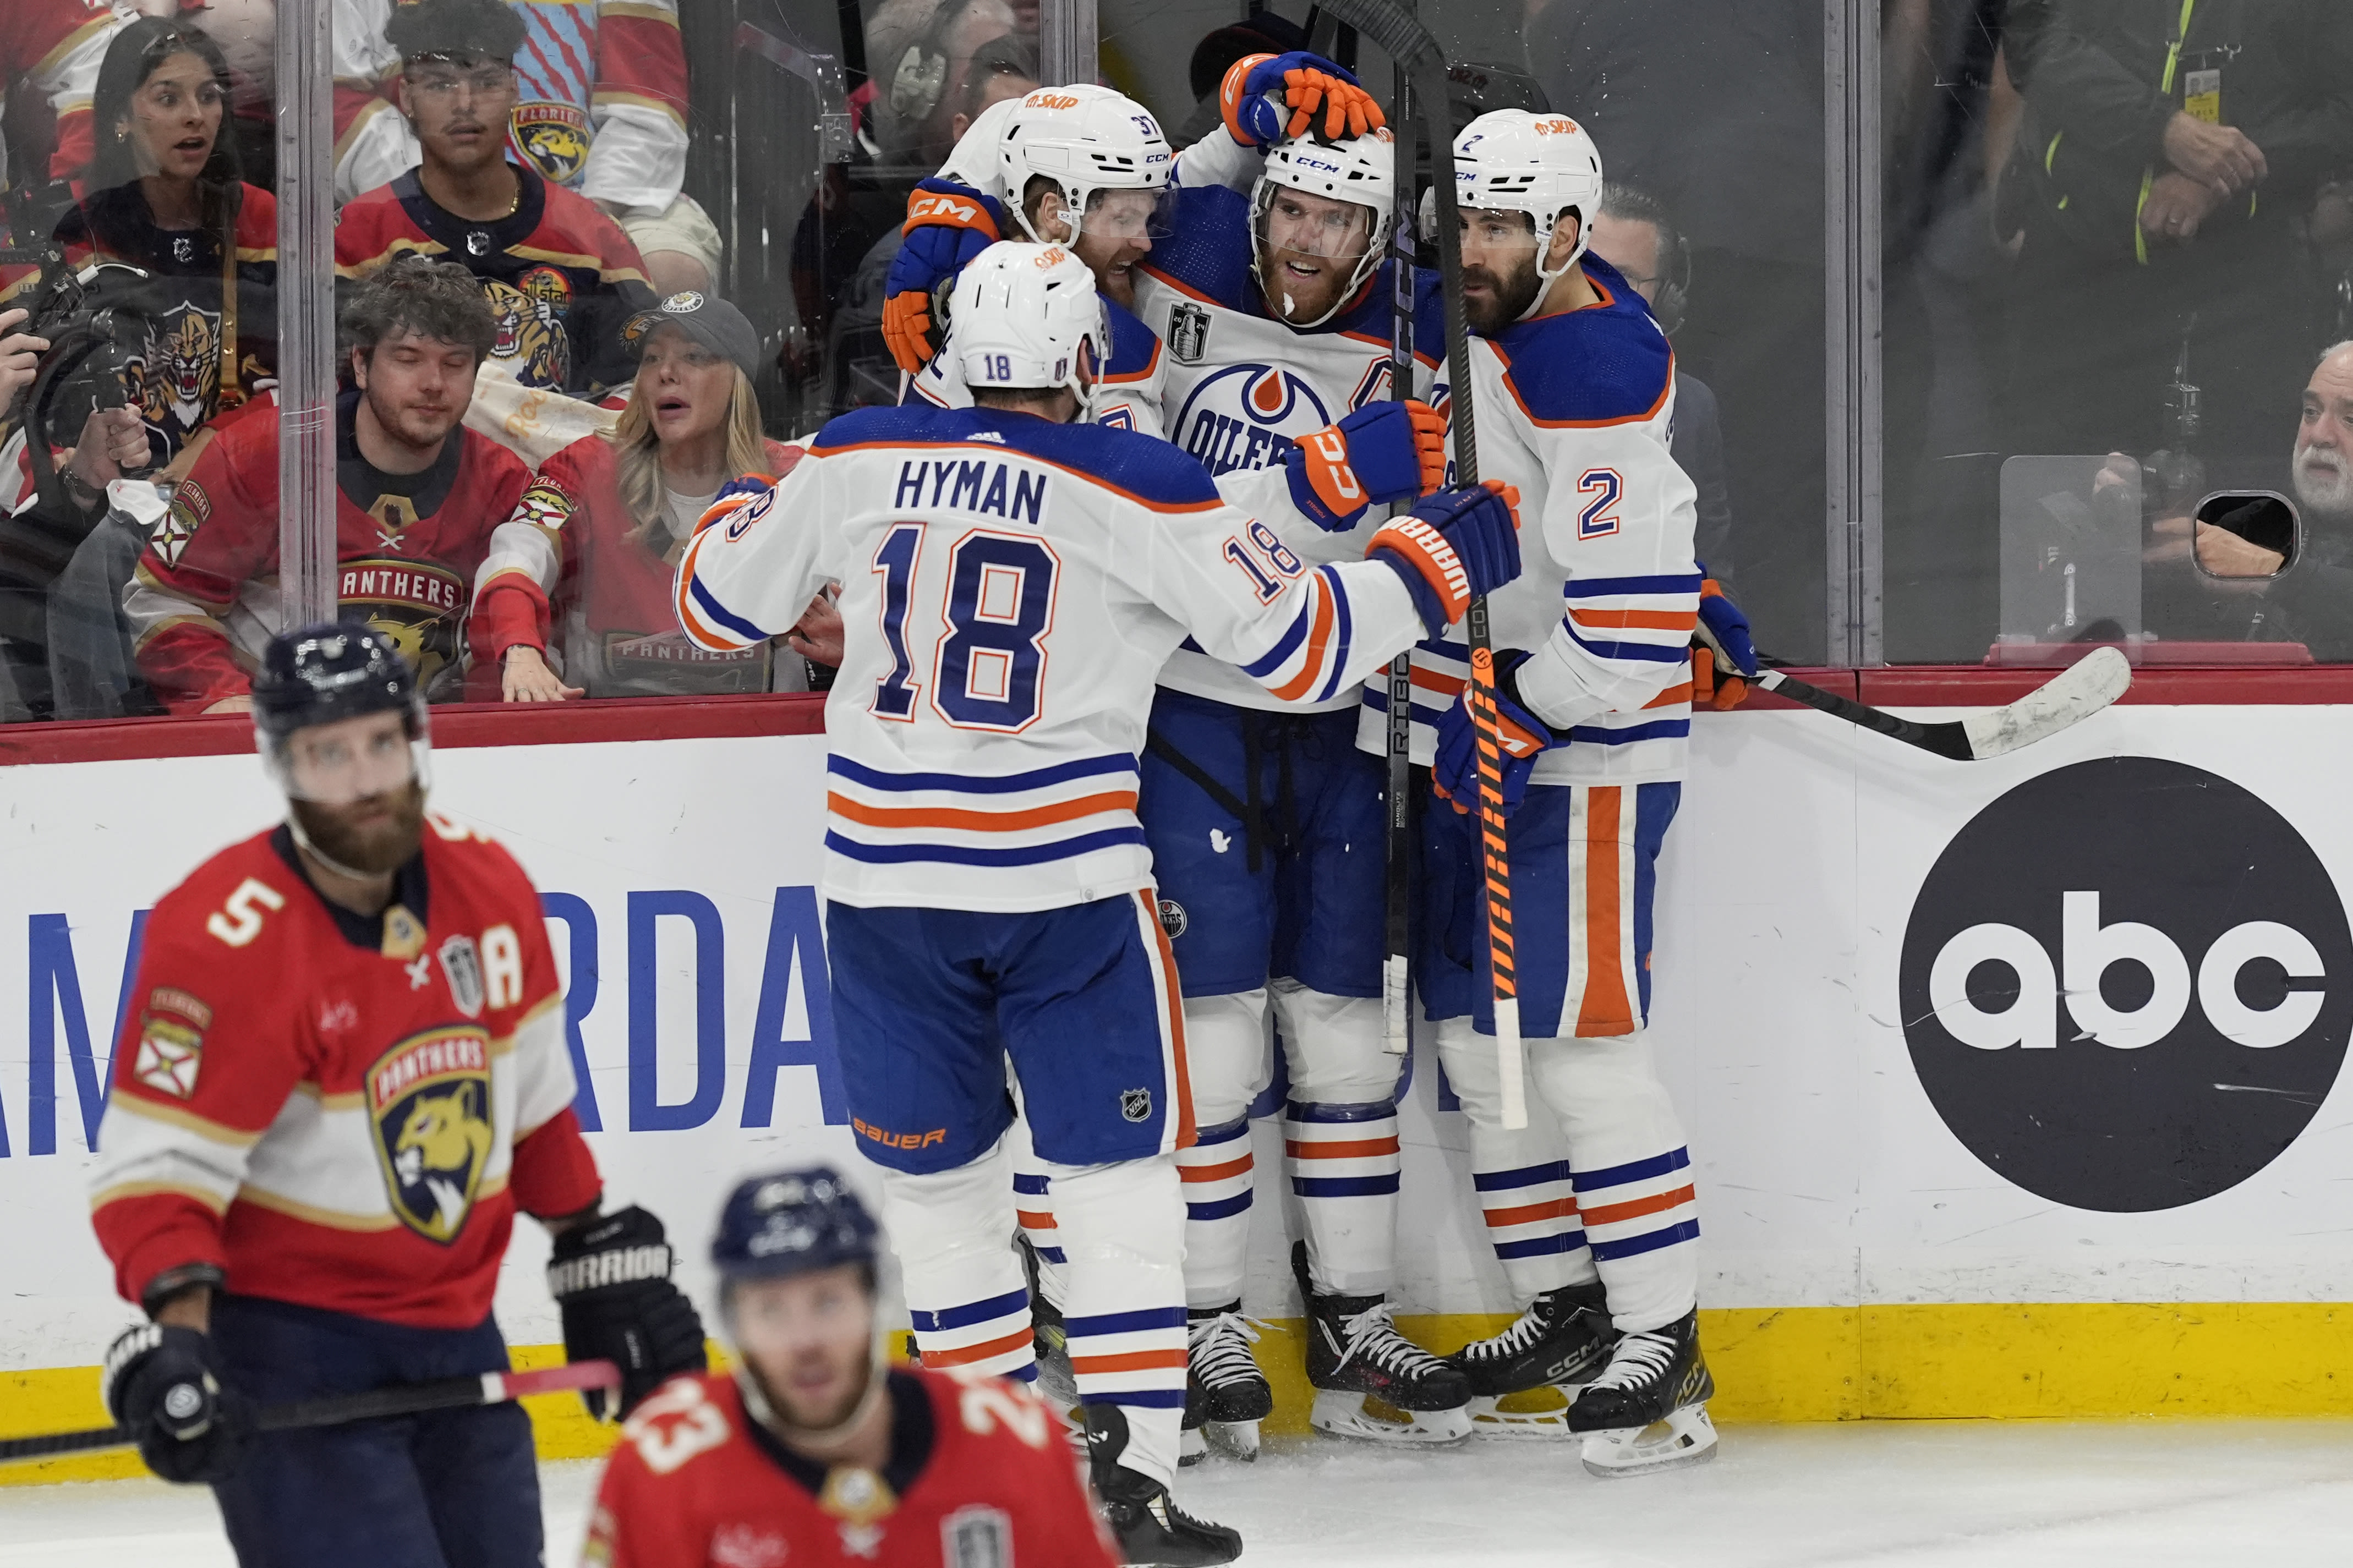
x=2127 y=984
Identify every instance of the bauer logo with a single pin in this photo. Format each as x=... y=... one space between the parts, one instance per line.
x=2127 y=984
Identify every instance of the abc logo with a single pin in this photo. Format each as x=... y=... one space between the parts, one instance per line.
x=2127 y=984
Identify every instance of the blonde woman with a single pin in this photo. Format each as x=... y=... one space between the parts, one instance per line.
x=584 y=608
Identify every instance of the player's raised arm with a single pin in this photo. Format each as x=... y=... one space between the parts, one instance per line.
x=754 y=564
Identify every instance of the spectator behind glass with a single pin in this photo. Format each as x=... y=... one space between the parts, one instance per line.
x=601 y=110
x=417 y=500
x=2160 y=182
x=1632 y=233
x=561 y=277
x=51 y=49
x=926 y=58
x=163 y=196
x=599 y=587
x=2315 y=594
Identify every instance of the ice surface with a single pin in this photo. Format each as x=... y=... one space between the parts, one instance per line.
x=1864 y=1495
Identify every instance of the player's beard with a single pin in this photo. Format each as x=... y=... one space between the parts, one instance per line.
x=372 y=837
x=1507 y=297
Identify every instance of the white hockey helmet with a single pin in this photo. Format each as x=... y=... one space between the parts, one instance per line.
x=1027 y=316
x=1359 y=168
x=1541 y=165
x=1089 y=141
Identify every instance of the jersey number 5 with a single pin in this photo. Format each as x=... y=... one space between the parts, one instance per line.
x=237 y=923
x=988 y=661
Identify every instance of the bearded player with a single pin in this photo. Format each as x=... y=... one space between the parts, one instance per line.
x=1265 y=822
x=1591 y=1208
x=341 y=1075
x=814 y=1451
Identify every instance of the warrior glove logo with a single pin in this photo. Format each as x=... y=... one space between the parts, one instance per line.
x=429 y=1100
x=2127 y=984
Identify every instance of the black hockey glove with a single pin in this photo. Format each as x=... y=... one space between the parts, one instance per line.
x=611 y=1278
x=164 y=1383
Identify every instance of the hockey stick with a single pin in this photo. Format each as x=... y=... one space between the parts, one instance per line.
x=1405 y=40
x=401 y=1399
x=1397 y=990
x=2075 y=693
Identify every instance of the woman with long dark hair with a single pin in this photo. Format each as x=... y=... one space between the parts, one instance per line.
x=165 y=194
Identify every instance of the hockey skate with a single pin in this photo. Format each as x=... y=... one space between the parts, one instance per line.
x=1648 y=1409
x=1144 y=1519
x=1356 y=1355
x=1560 y=1342
x=1226 y=1396
x=1049 y=1340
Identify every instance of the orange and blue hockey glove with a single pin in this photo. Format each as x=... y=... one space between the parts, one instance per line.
x=1456 y=545
x=1267 y=98
x=1454 y=767
x=1723 y=659
x=947 y=225
x=1383 y=452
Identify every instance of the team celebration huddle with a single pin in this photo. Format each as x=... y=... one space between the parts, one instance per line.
x=1168 y=762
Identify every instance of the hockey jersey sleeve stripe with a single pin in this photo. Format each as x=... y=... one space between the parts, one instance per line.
x=1636 y=620
x=1002 y=784
x=1658 y=729
x=192 y=1191
x=690 y=592
x=971 y=821
x=1286 y=645
x=172 y=1116
x=1654 y=652
x=1347 y=628
x=1604 y=587
x=966 y=855
x=1320 y=651
x=1670 y=697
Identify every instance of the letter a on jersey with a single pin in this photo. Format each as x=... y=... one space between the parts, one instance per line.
x=429 y=1098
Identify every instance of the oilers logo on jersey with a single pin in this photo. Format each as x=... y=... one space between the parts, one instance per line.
x=429 y=1101
x=1248 y=415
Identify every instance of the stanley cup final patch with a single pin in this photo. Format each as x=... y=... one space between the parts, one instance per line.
x=429 y=1104
x=1188 y=332
x=462 y=966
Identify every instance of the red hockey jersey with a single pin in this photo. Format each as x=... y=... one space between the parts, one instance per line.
x=561 y=277
x=981 y=1475
x=341 y=1112
x=203 y=600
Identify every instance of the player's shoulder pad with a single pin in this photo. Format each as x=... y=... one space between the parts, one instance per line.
x=882 y=424
x=1605 y=364
x=184 y=913
x=1138 y=467
x=453 y=848
x=1208 y=254
x=1134 y=347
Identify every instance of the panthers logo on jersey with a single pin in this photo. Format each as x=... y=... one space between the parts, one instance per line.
x=530 y=325
x=554 y=137
x=429 y=1098
x=1247 y=416
x=180 y=370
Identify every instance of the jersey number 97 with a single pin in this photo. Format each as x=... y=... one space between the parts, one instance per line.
x=988 y=659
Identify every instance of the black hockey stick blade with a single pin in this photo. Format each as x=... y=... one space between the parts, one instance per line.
x=1397 y=31
x=2073 y=695
x=401 y=1399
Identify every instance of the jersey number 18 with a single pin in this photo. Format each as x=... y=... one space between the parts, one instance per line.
x=987 y=661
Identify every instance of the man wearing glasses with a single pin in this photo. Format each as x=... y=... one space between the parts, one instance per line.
x=561 y=275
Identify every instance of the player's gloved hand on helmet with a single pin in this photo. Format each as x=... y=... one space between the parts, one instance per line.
x=947 y=225
x=611 y=1279
x=1382 y=452
x=1267 y=98
x=1456 y=545
x=164 y=1383
x=1724 y=660
x=1454 y=768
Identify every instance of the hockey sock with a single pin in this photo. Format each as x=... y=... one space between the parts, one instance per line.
x=962 y=1279
x=1520 y=1178
x=1632 y=1172
x=1342 y=1163
x=1123 y=1228
x=1033 y=1205
x=1217 y=1173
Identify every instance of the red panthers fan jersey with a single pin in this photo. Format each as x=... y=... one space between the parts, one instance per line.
x=203 y=600
x=561 y=277
x=341 y=1112
x=981 y=1475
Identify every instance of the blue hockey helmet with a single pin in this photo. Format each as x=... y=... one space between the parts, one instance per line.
x=325 y=673
x=792 y=1221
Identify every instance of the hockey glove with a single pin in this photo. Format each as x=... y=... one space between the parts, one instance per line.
x=164 y=1383
x=1382 y=452
x=611 y=1279
x=1454 y=768
x=1724 y=660
x=947 y=225
x=1267 y=98
x=1456 y=545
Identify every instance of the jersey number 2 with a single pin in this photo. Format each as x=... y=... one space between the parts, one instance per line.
x=1595 y=520
x=990 y=660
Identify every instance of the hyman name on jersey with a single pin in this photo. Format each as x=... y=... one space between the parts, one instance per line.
x=1001 y=489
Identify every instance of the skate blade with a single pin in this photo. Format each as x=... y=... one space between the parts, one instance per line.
x=1192 y=1448
x=1685 y=1437
x=1360 y=1416
x=1057 y=1385
x=1234 y=1440
x=1523 y=1416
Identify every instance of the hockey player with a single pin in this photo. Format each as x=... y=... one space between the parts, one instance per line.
x=561 y=275
x=341 y=1073
x=1265 y=821
x=1013 y=582
x=814 y=1451
x=1592 y=1220
x=417 y=500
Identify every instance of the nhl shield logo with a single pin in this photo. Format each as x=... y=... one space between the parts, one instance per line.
x=428 y=1101
x=1188 y=332
x=1135 y=1104
x=463 y=966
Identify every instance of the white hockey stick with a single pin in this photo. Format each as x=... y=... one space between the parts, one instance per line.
x=2075 y=694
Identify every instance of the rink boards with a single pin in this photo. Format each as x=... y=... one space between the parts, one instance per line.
x=1930 y=1186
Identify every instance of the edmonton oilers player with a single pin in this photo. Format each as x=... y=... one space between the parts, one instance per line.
x=1012 y=584
x=1590 y=1209
x=814 y=1451
x=343 y=1075
x=1263 y=821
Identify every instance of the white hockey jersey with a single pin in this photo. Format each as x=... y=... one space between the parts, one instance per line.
x=1576 y=409
x=1011 y=588
x=1128 y=399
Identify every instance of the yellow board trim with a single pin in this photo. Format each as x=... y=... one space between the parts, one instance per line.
x=1910 y=1363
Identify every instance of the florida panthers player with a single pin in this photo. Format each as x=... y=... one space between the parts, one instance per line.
x=1264 y=822
x=1574 y=385
x=1013 y=582
x=814 y=1451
